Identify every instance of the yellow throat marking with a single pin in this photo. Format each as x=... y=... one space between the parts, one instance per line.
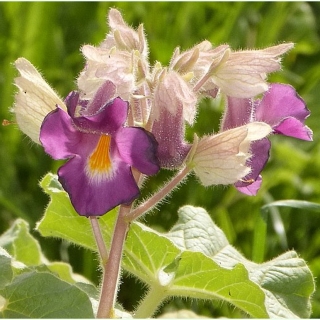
x=99 y=161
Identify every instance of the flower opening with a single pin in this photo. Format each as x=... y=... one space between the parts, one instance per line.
x=100 y=162
x=100 y=152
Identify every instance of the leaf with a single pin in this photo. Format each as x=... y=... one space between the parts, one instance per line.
x=26 y=267
x=62 y=221
x=21 y=244
x=6 y=273
x=299 y=204
x=286 y=280
x=42 y=295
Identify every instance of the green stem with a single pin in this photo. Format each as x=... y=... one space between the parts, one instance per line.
x=99 y=239
x=150 y=302
x=112 y=268
x=160 y=195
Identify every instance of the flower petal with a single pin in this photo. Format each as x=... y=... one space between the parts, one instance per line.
x=218 y=159
x=173 y=92
x=260 y=154
x=103 y=96
x=137 y=147
x=34 y=100
x=222 y=158
x=243 y=75
x=252 y=189
x=281 y=101
x=107 y=120
x=96 y=197
x=169 y=132
x=237 y=113
x=58 y=136
x=292 y=127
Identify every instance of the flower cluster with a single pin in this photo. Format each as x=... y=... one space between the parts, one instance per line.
x=128 y=115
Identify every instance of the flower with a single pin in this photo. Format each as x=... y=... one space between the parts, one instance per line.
x=34 y=99
x=101 y=151
x=169 y=132
x=283 y=109
x=222 y=158
x=172 y=93
x=124 y=37
x=121 y=58
x=242 y=74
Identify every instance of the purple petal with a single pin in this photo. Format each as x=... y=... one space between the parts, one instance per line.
x=58 y=136
x=238 y=113
x=95 y=197
x=293 y=128
x=104 y=95
x=281 y=101
x=260 y=155
x=252 y=189
x=137 y=147
x=107 y=121
x=74 y=104
x=110 y=117
x=169 y=132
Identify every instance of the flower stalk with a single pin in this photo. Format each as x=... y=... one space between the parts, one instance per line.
x=160 y=195
x=103 y=252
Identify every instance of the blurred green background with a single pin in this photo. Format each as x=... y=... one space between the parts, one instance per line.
x=49 y=34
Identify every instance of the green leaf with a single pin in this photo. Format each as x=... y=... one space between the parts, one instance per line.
x=62 y=221
x=286 y=280
x=42 y=295
x=21 y=244
x=200 y=277
x=6 y=273
x=299 y=204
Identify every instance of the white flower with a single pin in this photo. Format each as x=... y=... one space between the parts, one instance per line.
x=221 y=158
x=34 y=100
x=102 y=65
x=121 y=58
x=242 y=74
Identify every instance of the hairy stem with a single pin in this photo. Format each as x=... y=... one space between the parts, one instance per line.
x=158 y=196
x=112 y=268
x=150 y=303
x=99 y=239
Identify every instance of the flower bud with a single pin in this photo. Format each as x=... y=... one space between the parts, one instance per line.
x=173 y=92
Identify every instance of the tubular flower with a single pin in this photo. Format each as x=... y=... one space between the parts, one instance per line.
x=283 y=109
x=101 y=152
x=169 y=131
x=222 y=158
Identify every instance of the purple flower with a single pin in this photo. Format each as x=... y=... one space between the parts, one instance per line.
x=169 y=131
x=283 y=109
x=101 y=151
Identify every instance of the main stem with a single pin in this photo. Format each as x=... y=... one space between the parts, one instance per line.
x=112 y=268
